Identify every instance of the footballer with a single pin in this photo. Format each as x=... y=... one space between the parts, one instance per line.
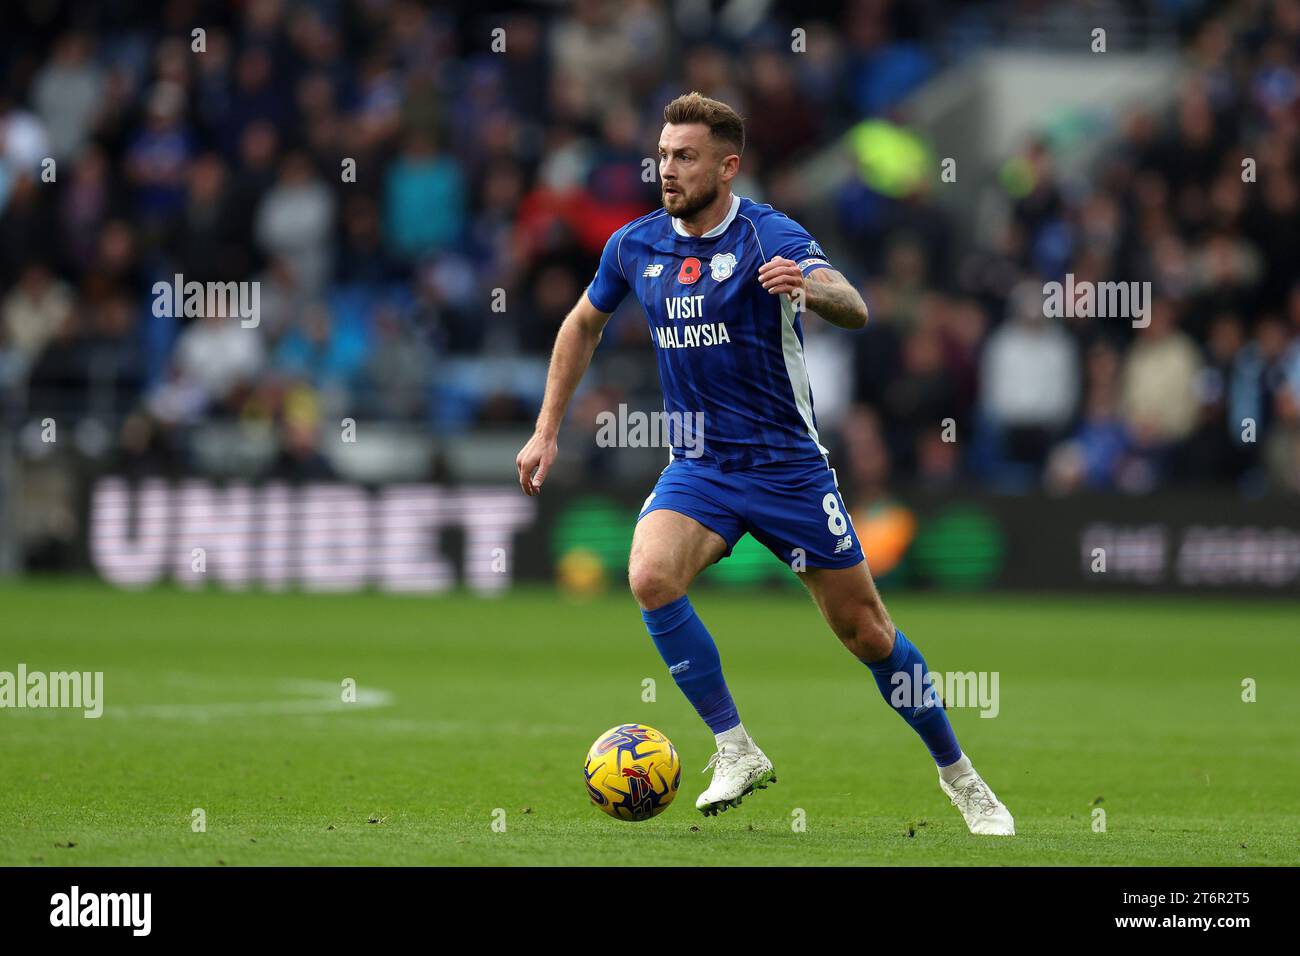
x=722 y=281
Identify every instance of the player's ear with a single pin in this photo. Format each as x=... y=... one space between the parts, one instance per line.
x=730 y=167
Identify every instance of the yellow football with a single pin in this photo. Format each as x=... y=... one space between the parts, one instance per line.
x=632 y=772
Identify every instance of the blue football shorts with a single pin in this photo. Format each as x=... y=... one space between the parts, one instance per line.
x=794 y=509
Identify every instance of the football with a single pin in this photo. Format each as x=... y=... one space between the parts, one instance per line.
x=632 y=772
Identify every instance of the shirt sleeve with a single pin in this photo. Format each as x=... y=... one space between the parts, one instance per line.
x=609 y=287
x=782 y=236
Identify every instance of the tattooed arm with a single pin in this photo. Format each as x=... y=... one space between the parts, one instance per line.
x=825 y=292
x=833 y=297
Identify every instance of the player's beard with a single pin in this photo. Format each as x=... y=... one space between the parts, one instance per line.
x=691 y=206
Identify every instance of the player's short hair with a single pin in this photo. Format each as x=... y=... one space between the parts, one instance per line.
x=723 y=122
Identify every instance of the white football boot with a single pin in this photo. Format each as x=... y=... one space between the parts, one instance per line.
x=738 y=770
x=979 y=805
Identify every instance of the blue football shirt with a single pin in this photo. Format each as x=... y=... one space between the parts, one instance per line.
x=726 y=347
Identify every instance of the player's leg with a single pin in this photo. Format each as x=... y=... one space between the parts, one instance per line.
x=669 y=549
x=796 y=511
x=851 y=605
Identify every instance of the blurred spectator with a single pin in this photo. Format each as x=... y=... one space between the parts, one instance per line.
x=206 y=242
x=67 y=92
x=591 y=51
x=85 y=204
x=920 y=397
x=299 y=456
x=1159 y=381
x=25 y=233
x=59 y=378
x=157 y=160
x=34 y=311
x=258 y=95
x=784 y=126
x=24 y=138
x=1215 y=446
x=1029 y=379
x=115 y=362
x=1096 y=457
x=396 y=373
x=1258 y=383
x=320 y=350
x=216 y=358
x=424 y=205
x=295 y=222
x=361 y=256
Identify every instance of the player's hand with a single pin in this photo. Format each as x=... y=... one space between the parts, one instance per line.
x=534 y=461
x=780 y=276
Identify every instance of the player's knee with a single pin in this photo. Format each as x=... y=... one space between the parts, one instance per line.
x=873 y=633
x=653 y=584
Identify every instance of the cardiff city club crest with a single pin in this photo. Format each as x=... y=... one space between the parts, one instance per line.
x=722 y=265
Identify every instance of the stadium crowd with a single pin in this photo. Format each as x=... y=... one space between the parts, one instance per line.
x=487 y=181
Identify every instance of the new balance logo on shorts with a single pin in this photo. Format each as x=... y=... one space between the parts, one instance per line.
x=844 y=543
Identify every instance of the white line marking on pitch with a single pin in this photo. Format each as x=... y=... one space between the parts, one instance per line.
x=325 y=698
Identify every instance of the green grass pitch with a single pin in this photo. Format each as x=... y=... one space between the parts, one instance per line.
x=469 y=706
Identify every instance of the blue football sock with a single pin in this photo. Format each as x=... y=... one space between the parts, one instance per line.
x=920 y=706
x=692 y=658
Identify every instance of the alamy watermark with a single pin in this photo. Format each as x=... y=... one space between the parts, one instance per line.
x=62 y=689
x=635 y=429
x=978 y=689
x=130 y=910
x=1098 y=300
x=178 y=298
